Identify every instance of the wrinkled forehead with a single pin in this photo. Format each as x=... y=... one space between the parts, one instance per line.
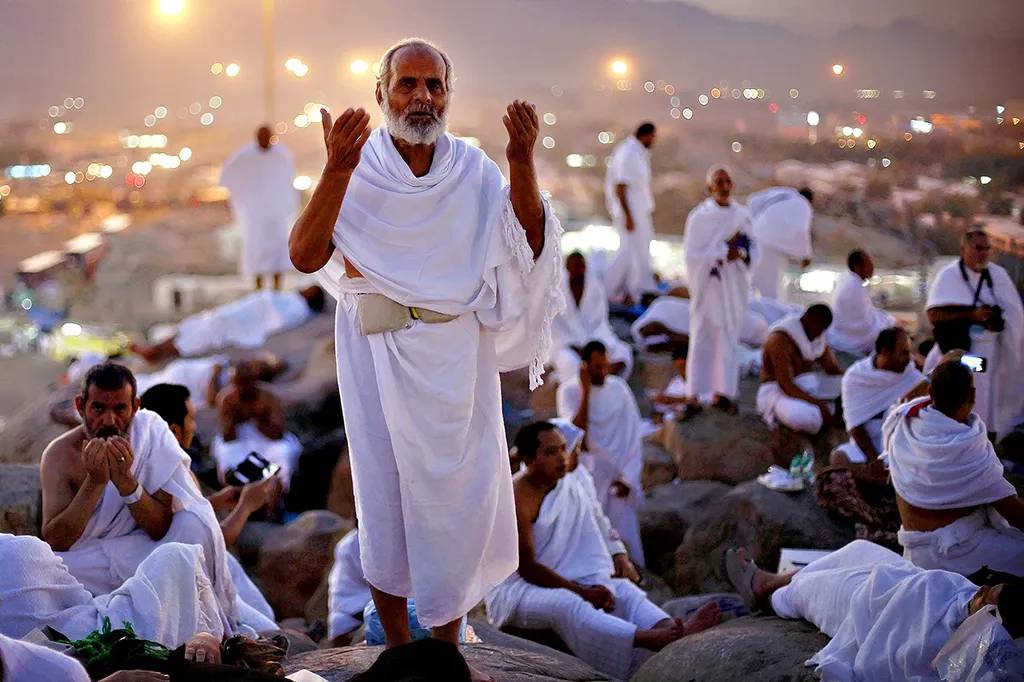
x=417 y=61
x=117 y=396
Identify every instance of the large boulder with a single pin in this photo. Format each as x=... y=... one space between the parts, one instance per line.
x=294 y=559
x=20 y=499
x=505 y=657
x=658 y=466
x=27 y=432
x=667 y=514
x=750 y=649
x=752 y=516
x=713 y=445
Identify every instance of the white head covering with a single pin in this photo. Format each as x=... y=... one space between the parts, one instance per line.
x=573 y=434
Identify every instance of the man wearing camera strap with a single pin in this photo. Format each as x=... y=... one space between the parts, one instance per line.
x=974 y=306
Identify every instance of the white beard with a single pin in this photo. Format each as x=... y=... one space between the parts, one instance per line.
x=399 y=126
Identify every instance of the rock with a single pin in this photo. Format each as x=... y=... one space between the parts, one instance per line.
x=311 y=483
x=658 y=591
x=762 y=520
x=658 y=466
x=668 y=512
x=730 y=603
x=293 y=560
x=654 y=370
x=716 y=446
x=341 y=498
x=20 y=499
x=504 y=657
x=26 y=433
x=750 y=649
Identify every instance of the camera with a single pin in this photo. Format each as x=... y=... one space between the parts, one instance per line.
x=996 y=322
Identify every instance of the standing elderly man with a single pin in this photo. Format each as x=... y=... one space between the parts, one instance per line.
x=445 y=275
x=974 y=306
x=628 y=197
x=259 y=177
x=782 y=229
x=718 y=253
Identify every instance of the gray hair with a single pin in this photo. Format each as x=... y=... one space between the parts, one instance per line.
x=387 y=62
x=710 y=175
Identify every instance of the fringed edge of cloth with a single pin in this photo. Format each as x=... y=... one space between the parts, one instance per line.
x=515 y=239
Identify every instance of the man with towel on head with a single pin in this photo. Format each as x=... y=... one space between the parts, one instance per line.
x=856 y=321
x=118 y=486
x=719 y=253
x=259 y=177
x=958 y=510
x=974 y=306
x=791 y=392
x=565 y=577
x=781 y=227
x=630 y=202
x=585 y=319
x=603 y=405
x=445 y=275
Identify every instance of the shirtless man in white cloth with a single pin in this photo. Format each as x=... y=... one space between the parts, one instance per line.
x=719 y=253
x=445 y=275
x=888 y=619
x=264 y=202
x=974 y=306
x=959 y=512
x=630 y=202
x=564 y=581
x=856 y=321
x=782 y=229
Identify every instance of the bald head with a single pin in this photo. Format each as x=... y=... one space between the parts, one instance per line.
x=719 y=181
x=263 y=137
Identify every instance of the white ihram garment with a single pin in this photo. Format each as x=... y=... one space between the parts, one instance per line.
x=775 y=406
x=614 y=452
x=630 y=165
x=887 y=618
x=856 y=321
x=674 y=313
x=284 y=452
x=26 y=662
x=422 y=405
x=246 y=322
x=578 y=325
x=264 y=204
x=192 y=373
x=868 y=392
x=112 y=545
x=567 y=539
x=719 y=292
x=939 y=463
x=167 y=599
x=781 y=227
x=348 y=592
x=999 y=400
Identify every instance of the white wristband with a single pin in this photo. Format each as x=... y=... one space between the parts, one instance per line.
x=134 y=497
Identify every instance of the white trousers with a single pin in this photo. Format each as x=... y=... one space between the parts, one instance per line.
x=630 y=272
x=982 y=539
x=799 y=415
x=603 y=640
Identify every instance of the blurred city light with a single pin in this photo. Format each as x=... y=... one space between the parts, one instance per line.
x=359 y=67
x=216 y=68
x=232 y=70
x=548 y=142
x=619 y=67
x=737 y=147
x=838 y=69
x=172 y=8
x=813 y=118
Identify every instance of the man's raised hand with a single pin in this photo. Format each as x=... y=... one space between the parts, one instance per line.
x=344 y=139
x=523 y=126
x=94 y=458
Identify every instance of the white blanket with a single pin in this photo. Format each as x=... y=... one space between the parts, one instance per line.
x=868 y=391
x=168 y=598
x=25 y=662
x=192 y=373
x=1000 y=403
x=566 y=539
x=856 y=321
x=264 y=203
x=284 y=452
x=348 y=592
x=422 y=405
x=112 y=545
x=939 y=463
x=719 y=293
x=791 y=327
x=244 y=323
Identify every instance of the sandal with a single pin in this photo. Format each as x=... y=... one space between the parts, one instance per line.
x=742 y=578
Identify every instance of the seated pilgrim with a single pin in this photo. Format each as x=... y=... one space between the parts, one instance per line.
x=856 y=321
x=959 y=512
x=584 y=319
x=118 y=486
x=791 y=392
x=206 y=377
x=246 y=322
x=888 y=619
x=253 y=420
x=564 y=581
x=603 y=405
x=666 y=322
x=173 y=403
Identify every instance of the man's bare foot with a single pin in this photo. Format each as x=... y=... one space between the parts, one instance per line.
x=704 y=618
x=658 y=638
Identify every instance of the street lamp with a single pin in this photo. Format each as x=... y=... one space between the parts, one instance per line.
x=172 y=8
x=838 y=69
x=619 y=67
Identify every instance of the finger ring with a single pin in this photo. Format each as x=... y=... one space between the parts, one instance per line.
x=120 y=459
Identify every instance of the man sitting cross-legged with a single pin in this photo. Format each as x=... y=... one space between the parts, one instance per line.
x=958 y=510
x=118 y=486
x=887 y=618
x=564 y=581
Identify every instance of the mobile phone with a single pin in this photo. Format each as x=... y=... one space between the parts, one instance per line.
x=270 y=470
x=975 y=363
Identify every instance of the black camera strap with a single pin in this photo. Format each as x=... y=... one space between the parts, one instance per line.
x=984 y=277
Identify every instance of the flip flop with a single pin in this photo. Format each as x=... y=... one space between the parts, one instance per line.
x=742 y=578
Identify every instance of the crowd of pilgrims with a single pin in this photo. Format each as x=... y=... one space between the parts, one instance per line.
x=130 y=534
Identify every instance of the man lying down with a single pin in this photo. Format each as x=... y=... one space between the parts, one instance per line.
x=888 y=619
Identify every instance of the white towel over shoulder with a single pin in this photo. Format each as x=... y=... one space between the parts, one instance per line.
x=869 y=391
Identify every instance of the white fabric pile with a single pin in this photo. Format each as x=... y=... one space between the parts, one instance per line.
x=244 y=323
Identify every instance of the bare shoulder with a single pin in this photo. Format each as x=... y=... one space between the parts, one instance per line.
x=528 y=498
x=62 y=450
